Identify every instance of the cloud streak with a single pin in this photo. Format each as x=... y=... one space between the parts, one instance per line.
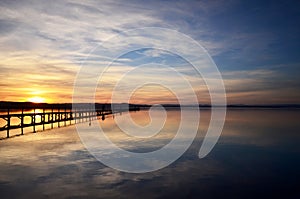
x=44 y=44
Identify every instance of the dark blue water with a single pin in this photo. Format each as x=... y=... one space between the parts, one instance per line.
x=257 y=156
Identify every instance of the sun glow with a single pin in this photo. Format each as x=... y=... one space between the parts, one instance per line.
x=37 y=99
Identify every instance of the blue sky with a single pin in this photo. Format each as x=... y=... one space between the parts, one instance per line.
x=255 y=45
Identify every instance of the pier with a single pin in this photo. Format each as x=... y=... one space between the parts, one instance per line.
x=49 y=115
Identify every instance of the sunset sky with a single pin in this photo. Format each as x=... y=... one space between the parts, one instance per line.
x=255 y=45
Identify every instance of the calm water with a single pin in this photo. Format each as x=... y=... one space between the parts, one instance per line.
x=257 y=156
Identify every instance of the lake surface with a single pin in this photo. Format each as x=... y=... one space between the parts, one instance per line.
x=257 y=156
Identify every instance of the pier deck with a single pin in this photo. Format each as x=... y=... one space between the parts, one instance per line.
x=44 y=117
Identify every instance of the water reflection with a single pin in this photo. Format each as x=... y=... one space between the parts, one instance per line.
x=256 y=156
x=139 y=144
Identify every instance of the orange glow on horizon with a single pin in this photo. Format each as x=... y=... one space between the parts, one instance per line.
x=36 y=99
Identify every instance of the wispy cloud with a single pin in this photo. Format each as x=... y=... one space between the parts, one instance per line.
x=43 y=45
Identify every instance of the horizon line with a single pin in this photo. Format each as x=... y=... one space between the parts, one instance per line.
x=166 y=104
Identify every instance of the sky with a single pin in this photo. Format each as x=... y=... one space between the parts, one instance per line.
x=45 y=46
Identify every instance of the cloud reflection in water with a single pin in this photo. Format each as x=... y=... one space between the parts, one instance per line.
x=256 y=156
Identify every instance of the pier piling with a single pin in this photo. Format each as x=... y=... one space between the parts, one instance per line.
x=50 y=116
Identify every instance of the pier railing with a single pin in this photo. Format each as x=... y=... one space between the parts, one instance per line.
x=42 y=117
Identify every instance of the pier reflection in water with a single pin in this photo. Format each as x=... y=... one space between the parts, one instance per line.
x=258 y=155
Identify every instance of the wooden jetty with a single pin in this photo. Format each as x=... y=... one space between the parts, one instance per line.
x=48 y=115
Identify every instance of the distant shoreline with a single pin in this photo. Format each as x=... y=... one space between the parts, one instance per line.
x=31 y=105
